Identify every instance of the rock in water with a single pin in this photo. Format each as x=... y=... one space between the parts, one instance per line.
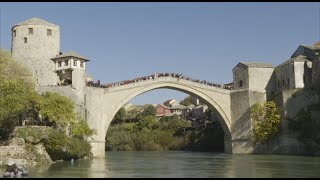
x=6 y=174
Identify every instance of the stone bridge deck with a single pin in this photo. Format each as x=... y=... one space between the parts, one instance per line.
x=168 y=79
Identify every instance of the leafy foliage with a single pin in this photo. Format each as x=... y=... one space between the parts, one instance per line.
x=120 y=116
x=186 y=101
x=16 y=90
x=57 y=108
x=266 y=120
x=147 y=135
x=80 y=129
x=60 y=146
x=33 y=135
x=149 y=110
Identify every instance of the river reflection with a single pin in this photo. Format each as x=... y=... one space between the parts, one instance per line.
x=182 y=164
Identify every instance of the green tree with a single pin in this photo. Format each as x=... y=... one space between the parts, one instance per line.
x=16 y=91
x=57 y=108
x=186 y=101
x=266 y=120
x=60 y=146
x=149 y=110
x=80 y=129
x=133 y=113
x=147 y=122
x=120 y=116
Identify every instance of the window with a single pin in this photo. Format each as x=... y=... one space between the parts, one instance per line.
x=25 y=40
x=30 y=31
x=65 y=62
x=59 y=63
x=74 y=63
x=49 y=32
x=288 y=82
x=241 y=83
x=14 y=33
x=81 y=64
x=283 y=83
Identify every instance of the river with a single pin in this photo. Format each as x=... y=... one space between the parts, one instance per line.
x=178 y=164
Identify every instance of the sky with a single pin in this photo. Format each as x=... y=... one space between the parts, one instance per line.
x=203 y=40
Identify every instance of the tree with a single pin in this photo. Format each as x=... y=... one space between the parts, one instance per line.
x=133 y=113
x=186 y=101
x=16 y=91
x=266 y=120
x=149 y=110
x=58 y=109
x=147 y=122
x=120 y=116
x=80 y=129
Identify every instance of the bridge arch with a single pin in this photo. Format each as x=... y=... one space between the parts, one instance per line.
x=106 y=102
x=224 y=120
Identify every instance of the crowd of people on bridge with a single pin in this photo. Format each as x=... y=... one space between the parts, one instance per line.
x=154 y=76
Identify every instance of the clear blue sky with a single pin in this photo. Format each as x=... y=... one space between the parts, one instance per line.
x=201 y=40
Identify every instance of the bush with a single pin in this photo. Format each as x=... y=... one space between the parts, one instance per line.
x=59 y=146
x=266 y=120
x=31 y=134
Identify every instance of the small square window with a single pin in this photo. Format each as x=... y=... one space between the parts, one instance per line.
x=59 y=63
x=66 y=62
x=30 y=31
x=25 y=40
x=49 y=32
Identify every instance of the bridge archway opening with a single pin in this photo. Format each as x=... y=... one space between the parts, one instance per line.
x=221 y=123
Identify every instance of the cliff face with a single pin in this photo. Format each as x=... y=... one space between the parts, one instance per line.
x=25 y=149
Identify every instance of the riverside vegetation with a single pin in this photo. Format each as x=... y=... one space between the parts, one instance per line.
x=140 y=131
x=21 y=106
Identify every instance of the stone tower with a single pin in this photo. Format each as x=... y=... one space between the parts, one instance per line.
x=34 y=43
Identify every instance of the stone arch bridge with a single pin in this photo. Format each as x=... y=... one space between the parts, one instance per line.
x=101 y=105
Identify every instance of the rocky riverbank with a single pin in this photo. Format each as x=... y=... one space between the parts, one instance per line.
x=25 y=149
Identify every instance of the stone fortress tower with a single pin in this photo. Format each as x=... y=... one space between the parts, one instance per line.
x=34 y=43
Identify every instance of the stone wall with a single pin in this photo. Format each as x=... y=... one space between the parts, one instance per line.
x=290 y=102
x=241 y=125
x=282 y=75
